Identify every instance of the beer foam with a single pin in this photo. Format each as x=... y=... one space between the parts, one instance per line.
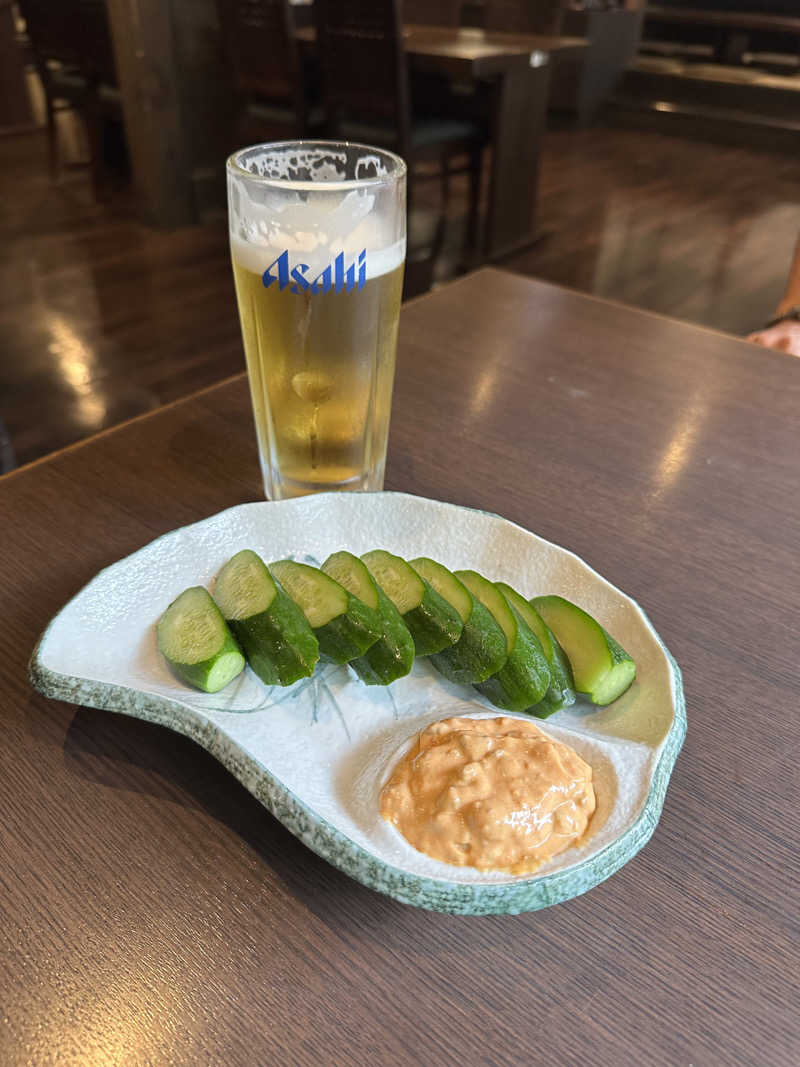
x=306 y=165
x=316 y=229
x=257 y=257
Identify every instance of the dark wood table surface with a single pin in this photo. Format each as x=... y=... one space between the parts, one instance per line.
x=466 y=52
x=517 y=68
x=152 y=912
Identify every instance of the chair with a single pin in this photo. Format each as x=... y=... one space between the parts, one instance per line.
x=74 y=56
x=269 y=80
x=366 y=93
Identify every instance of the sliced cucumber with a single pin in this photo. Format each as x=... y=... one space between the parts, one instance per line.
x=344 y=626
x=481 y=649
x=352 y=574
x=434 y=623
x=279 y=644
x=196 y=642
x=600 y=666
x=492 y=599
x=446 y=584
x=524 y=678
x=392 y=655
x=560 y=693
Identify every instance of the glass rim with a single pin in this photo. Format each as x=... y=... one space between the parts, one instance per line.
x=234 y=167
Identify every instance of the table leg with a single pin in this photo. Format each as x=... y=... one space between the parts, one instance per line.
x=519 y=110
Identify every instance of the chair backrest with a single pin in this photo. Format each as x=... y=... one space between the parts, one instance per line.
x=75 y=33
x=262 y=51
x=50 y=29
x=97 y=47
x=364 y=76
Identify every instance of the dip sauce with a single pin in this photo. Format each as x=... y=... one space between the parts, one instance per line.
x=496 y=794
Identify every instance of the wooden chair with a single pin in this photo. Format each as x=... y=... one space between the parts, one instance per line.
x=74 y=56
x=272 y=87
x=366 y=93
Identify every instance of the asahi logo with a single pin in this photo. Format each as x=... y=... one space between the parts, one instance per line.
x=335 y=278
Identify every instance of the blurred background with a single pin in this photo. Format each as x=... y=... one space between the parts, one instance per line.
x=646 y=153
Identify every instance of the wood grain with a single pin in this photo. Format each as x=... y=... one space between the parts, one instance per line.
x=152 y=912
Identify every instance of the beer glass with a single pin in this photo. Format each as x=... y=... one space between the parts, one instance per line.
x=318 y=241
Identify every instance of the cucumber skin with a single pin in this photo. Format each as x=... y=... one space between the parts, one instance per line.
x=479 y=653
x=600 y=695
x=434 y=623
x=279 y=644
x=438 y=577
x=356 y=566
x=196 y=674
x=350 y=635
x=524 y=679
x=561 y=680
x=618 y=653
x=392 y=655
x=561 y=691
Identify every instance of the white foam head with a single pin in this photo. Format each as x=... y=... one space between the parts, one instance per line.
x=306 y=202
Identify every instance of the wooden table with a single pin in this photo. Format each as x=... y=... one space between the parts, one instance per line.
x=517 y=67
x=152 y=912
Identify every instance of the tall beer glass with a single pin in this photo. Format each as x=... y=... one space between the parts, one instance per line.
x=318 y=240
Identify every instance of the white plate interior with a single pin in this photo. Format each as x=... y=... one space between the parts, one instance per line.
x=331 y=740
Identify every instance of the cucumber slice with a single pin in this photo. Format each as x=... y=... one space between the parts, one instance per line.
x=560 y=693
x=524 y=678
x=278 y=642
x=433 y=622
x=600 y=666
x=446 y=584
x=392 y=655
x=197 y=644
x=350 y=572
x=481 y=649
x=344 y=626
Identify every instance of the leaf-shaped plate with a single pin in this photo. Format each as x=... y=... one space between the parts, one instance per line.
x=317 y=753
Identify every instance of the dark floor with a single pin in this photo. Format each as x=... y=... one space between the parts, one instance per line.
x=689 y=229
x=102 y=318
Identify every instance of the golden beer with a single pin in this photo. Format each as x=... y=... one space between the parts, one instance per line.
x=318 y=240
x=321 y=370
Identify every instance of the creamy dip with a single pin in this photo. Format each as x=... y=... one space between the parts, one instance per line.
x=496 y=794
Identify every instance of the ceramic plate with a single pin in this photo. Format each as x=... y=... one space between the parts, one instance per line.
x=317 y=753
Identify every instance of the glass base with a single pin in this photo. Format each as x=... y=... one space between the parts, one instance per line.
x=279 y=488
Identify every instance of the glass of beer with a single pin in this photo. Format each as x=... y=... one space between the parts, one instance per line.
x=318 y=243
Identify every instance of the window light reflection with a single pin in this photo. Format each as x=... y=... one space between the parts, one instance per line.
x=76 y=365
